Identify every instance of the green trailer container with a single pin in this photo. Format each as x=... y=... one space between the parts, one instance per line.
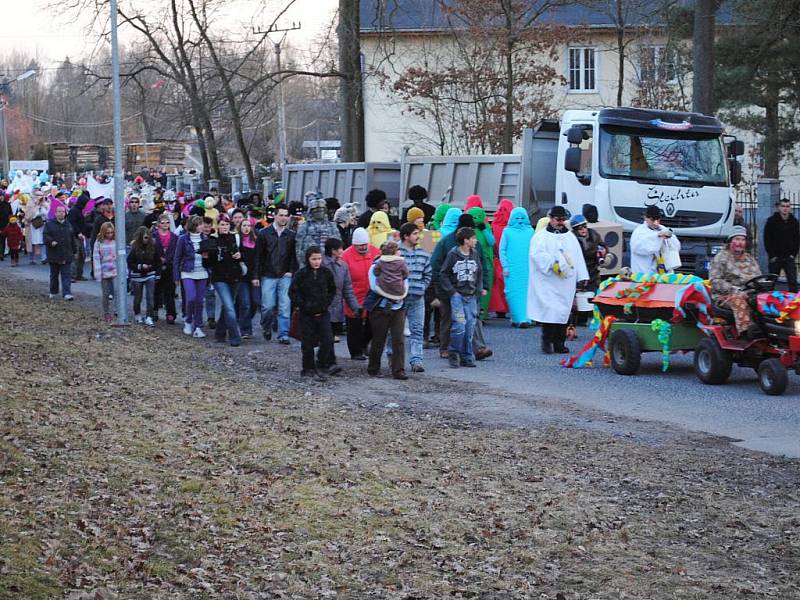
x=627 y=341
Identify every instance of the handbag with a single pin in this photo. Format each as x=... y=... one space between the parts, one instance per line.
x=37 y=222
x=294 y=327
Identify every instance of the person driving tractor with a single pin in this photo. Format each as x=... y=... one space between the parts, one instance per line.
x=730 y=269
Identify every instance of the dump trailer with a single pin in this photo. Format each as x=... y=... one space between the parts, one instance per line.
x=347 y=182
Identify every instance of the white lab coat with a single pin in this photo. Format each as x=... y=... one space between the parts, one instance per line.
x=550 y=295
x=646 y=246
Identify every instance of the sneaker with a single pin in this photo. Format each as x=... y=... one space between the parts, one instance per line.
x=417 y=368
x=198 y=333
x=315 y=374
x=268 y=335
x=51 y=296
x=284 y=340
x=358 y=357
x=334 y=370
x=69 y=297
x=187 y=328
x=138 y=319
x=452 y=359
x=247 y=336
x=400 y=375
x=149 y=322
x=336 y=339
x=468 y=363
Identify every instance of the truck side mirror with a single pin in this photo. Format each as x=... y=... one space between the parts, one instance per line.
x=736 y=148
x=575 y=135
x=735 y=168
x=572 y=160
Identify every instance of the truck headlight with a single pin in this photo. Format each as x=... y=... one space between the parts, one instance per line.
x=715 y=249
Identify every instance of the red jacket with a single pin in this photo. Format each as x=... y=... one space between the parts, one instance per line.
x=13 y=234
x=358 y=265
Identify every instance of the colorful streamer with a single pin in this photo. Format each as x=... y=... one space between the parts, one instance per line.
x=664 y=331
x=584 y=357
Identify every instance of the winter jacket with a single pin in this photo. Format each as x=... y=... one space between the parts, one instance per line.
x=222 y=265
x=249 y=258
x=359 y=265
x=133 y=220
x=781 y=238
x=143 y=263
x=5 y=212
x=61 y=233
x=344 y=289
x=312 y=290
x=275 y=254
x=76 y=218
x=13 y=234
x=167 y=253
x=419 y=267
x=314 y=233
x=183 y=260
x=589 y=246
x=104 y=258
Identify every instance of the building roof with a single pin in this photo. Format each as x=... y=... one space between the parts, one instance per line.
x=427 y=15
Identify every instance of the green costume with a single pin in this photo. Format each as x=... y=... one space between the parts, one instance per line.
x=486 y=241
x=438 y=217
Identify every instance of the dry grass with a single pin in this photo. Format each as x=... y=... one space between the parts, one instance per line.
x=130 y=469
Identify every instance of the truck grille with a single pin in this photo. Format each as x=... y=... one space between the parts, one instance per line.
x=681 y=219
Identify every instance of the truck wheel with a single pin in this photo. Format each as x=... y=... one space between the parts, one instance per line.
x=626 y=352
x=711 y=363
x=772 y=377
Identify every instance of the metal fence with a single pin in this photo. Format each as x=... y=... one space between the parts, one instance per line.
x=746 y=195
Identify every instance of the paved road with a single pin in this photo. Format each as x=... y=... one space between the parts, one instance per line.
x=737 y=410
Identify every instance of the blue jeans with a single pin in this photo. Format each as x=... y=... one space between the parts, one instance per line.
x=64 y=273
x=464 y=311
x=248 y=299
x=275 y=291
x=226 y=292
x=210 y=301
x=415 y=315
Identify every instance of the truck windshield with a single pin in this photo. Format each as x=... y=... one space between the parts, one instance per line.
x=661 y=157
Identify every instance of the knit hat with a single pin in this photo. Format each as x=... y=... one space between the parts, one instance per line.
x=360 y=236
x=738 y=230
x=417 y=192
x=577 y=221
x=342 y=215
x=317 y=203
x=414 y=213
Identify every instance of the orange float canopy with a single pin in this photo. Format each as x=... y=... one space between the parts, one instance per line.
x=661 y=296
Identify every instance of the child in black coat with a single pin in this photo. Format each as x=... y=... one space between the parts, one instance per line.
x=311 y=292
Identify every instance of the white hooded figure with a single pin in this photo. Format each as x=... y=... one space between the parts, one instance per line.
x=654 y=248
x=556 y=266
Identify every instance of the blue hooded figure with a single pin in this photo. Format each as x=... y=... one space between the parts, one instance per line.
x=450 y=223
x=514 y=249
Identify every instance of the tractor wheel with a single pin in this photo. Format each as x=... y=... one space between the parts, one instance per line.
x=711 y=363
x=626 y=352
x=772 y=377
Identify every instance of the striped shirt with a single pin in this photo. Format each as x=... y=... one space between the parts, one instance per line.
x=419 y=268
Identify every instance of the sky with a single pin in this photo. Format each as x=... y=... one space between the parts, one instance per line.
x=31 y=27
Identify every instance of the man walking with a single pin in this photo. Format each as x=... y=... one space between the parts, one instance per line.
x=782 y=241
x=419 y=278
x=275 y=262
x=61 y=247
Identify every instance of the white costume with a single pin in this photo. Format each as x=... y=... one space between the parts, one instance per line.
x=556 y=265
x=648 y=249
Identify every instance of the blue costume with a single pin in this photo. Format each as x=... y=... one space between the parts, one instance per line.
x=450 y=223
x=514 y=249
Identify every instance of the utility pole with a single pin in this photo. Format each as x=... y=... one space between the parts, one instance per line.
x=282 y=151
x=120 y=293
x=5 y=90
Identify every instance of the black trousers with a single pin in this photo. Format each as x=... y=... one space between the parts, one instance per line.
x=384 y=321
x=359 y=333
x=554 y=333
x=789 y=266
x=165 y=293
x=316 y=331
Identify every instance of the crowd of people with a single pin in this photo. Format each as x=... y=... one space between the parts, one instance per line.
x=318 y=271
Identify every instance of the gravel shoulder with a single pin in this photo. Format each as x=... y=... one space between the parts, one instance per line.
x=138 y=463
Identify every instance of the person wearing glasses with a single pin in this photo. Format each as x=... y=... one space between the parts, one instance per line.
x=653 y=245
x=556 y=269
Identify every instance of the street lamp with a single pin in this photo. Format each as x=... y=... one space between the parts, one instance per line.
x=4 y=90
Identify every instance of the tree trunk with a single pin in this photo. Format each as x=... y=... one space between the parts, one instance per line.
x=508 y=126
x=772 y=154
x=703 y=56
x=620 y=52
x=351 y=85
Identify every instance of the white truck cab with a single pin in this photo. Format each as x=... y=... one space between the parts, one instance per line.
x=622 y=160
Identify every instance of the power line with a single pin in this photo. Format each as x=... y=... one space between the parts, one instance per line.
x=39 y=119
